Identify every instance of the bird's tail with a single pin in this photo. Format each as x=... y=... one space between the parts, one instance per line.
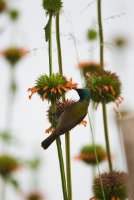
x=46 y=143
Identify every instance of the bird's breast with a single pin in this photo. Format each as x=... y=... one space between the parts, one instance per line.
x=72 y=116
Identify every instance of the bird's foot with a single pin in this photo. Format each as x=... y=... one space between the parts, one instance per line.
x=83 y=122
x=49 y=130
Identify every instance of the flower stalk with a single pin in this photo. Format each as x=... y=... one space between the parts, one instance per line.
x=53 y=104
x=102 y=66
x=50 y=45
x=67 y=135
x=60 y=156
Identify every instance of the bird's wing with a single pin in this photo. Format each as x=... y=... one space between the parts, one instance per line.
x=72 y=116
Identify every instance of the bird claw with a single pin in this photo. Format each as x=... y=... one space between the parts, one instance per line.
x=49 y=130
x=83 y=122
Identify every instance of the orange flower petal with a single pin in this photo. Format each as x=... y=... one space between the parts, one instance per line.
x=112 y=90
x=44 y=96
x=45 y=88
x=53 y=90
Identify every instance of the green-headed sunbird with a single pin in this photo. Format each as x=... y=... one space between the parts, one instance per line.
x=71 y=117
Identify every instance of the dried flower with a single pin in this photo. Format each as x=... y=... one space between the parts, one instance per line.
x=52 y=7
x=60 y=107
x=8 y=165
x=52 y=87
x=3 y=6
x=120 y=42
x=87 y=154
x=34 y=196
x=89 y=67
x=92 y=34
x=104 y=86
x=13 y=54
x=115 y=185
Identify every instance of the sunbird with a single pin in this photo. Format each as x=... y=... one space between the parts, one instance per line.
x=71 y=117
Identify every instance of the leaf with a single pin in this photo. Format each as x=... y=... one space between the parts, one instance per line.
x=47 y=28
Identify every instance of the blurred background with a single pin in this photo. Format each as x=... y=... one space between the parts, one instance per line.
x=23 y=121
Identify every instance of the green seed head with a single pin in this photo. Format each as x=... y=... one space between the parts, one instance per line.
x=115 y=185
x=87 y=154
x=52 y=7
x=104 y=86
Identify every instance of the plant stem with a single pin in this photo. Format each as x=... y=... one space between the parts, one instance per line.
x=67 y=135
x=58 y=142
x=68 y=165
x=107 y=136
x=58 y=44
x=104 y=104
x=101 y=35
x=61 y=161
x=50 y=47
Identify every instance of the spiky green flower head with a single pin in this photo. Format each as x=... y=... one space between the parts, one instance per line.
x=52 y=87
x=52 y=7
x=88 y=67
x=88 y=156
x=8 y=165
x=34 y=196
x=14 y=14
x=104 y=86
x=92 y=34
x=13 y=54
x=115 y=185
x=3 y=6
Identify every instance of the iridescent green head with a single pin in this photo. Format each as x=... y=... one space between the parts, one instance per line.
x=84 y=93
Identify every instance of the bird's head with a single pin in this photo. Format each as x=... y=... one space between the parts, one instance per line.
x=83 y=93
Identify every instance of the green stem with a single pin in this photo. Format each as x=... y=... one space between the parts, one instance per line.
x=101 y=35
x=68 y=165
x=67 y=135
x=61 y=161
x=104 y=104
x=50 y=47
x=107 y=136
x=58 y=44
x=96 y=157
x=58 y=142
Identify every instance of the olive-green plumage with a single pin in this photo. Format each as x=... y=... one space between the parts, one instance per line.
x=71 y=116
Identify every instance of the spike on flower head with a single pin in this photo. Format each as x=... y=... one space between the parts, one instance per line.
x=52 y=7
x=8 y=165
x=13 y=54
x=87 y=154
x=115 y=185
x=52 y=87
x=104 y=86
